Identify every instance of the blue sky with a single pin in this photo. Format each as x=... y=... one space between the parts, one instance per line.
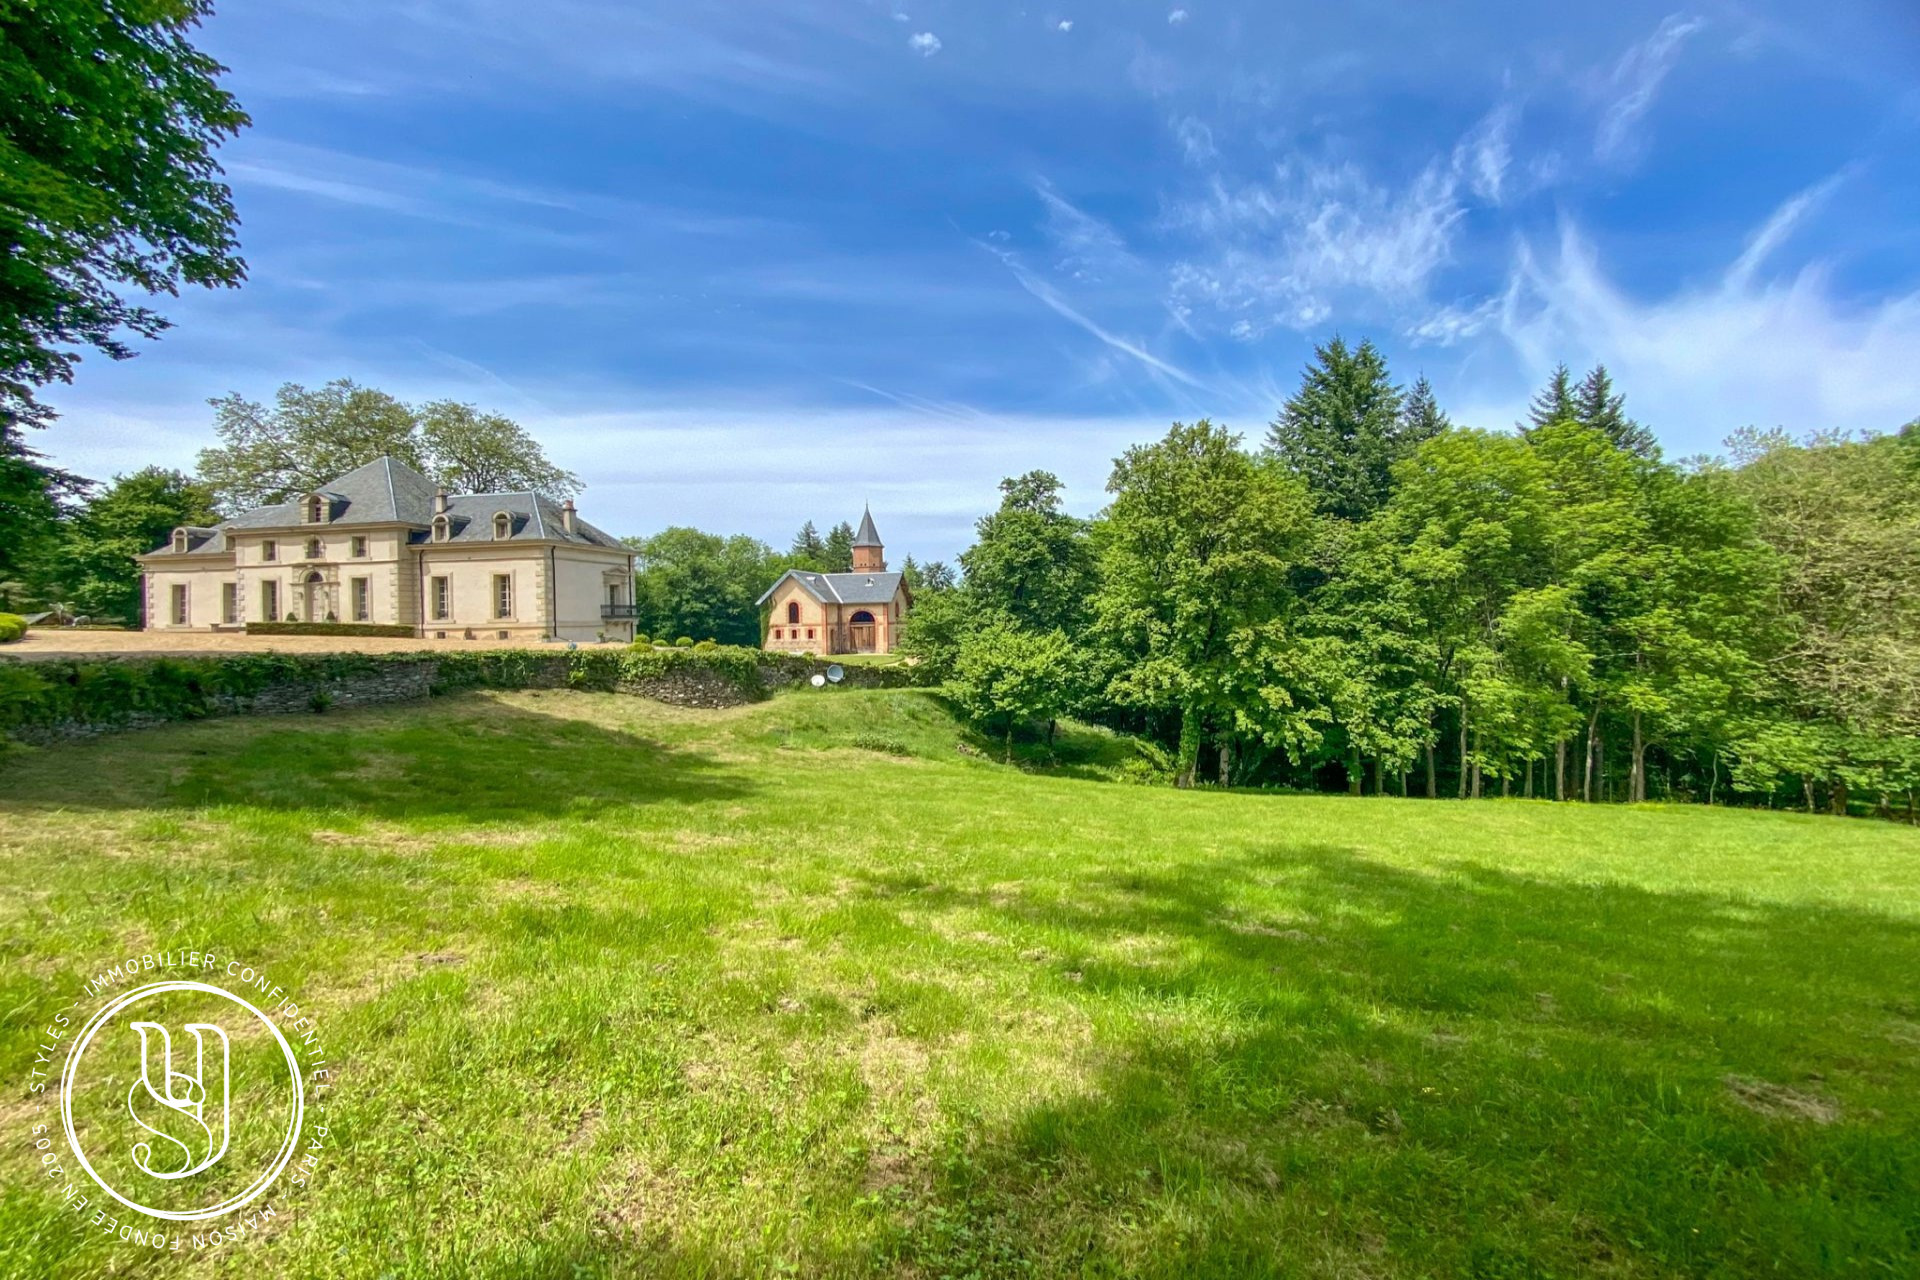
x=744 y=264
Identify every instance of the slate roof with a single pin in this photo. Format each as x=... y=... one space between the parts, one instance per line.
x=840 y=588
x=386 y=491
x=868 y=535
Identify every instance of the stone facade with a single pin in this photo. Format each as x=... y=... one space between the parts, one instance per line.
x=380 y=545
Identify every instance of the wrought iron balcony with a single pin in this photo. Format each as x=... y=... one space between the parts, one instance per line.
x=619 y=612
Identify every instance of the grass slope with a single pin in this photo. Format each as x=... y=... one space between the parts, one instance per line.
x=619 y=989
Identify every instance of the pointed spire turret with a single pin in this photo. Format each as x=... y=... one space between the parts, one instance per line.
x=868 y=555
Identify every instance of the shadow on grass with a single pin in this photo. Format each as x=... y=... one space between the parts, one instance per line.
x=468 y=757
x=1470 y=1073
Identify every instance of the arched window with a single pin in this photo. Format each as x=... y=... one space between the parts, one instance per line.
x=793 y=611
x=316 y=510
x=180 y=540
x=502 y=526
x=440 y=528
x=861 y=618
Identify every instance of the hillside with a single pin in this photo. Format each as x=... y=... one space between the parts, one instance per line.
x=819 y=984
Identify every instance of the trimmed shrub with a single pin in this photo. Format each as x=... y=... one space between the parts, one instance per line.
x=641 y=640
x=52 y=698
x=329 y=629
x=12 y=627
x=684 y=642
x=706 y=646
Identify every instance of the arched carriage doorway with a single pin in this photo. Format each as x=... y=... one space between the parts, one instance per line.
x=315 y=591
x=860 y=632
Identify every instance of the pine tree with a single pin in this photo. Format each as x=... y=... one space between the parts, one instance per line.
x=1596 y=404
x=1554 y=403
x=838 y=552
x=1341 y=431
x=807 y=545
x=1420 y=417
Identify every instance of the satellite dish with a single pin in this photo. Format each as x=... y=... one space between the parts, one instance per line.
x=819 y=681
x=835 y=674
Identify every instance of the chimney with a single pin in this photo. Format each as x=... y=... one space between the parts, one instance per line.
x=440 y=501
x=566 y=515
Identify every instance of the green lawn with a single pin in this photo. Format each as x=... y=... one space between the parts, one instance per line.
x=621 y=989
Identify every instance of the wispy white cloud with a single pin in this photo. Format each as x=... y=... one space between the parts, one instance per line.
x=1628 y=93
x=1085 y=248
x=924 y=43
x=1176 y=17
x=1284 y=252
x=1064 y=25
x=1775 y=231
x=1052 y=298
x=1706 y=359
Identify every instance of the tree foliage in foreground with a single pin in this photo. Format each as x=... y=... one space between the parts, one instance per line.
x=109 y=119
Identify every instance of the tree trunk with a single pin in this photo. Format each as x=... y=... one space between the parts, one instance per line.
x=1379 y=778
x=1433 y=787
x=1051 y=726
x=1839 y=797
x=1476 y=764
x=1637 y=784
x=1529 y=780
x=1593 y=746
x=1188 y=763
x=1463 y=749
x=1009 y=747
x=1806 y=785
x=1910 y=818
x=1506 y=786
x=1713 y=783
x=1560 y=769
x=1226 y=764
x=1353 y=769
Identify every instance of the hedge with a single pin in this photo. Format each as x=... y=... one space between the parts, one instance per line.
x=93 y=693
x=330 y=629
x=12 y=627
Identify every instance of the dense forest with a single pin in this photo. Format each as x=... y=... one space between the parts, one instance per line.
x=1377 y=599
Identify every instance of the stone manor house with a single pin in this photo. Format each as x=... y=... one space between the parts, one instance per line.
x=382 y=545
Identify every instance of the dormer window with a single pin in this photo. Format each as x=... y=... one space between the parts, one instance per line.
x=502 y=526
x=180 y=540
x=316 y=510
x=441 y=529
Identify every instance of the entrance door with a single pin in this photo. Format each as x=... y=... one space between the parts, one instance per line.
x=316 y=602
x=860 y=632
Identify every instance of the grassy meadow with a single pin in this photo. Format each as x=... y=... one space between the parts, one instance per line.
x=814 y=987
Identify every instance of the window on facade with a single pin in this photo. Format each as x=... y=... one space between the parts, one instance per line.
x=362 y=600
x=809 y=633
x=270 y=600
x=793 y=611
x=269 y=550
x=229 y=602
x=442 y=599
x=502 y=527
x=359 y=546
x=440 y=529
x=778 y=634
x=503 y=595
x=180 y=541
x=316 y=511
x=313 y=548
x=179 y=605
